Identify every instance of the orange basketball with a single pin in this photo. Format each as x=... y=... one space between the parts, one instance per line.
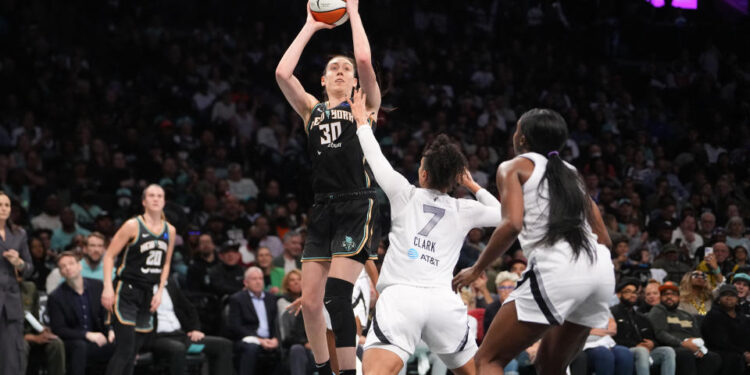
x=332 y=12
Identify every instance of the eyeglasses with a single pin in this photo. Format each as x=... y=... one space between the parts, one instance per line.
x=698 y=275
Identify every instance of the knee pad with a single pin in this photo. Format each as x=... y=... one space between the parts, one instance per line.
x=338 y=302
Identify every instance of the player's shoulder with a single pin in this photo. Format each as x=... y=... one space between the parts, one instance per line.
x=171 y=228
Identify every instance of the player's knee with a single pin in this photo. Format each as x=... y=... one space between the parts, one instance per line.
x=311 y=306
x=338 y=302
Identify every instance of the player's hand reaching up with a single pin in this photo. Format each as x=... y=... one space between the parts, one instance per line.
x=359 y=110
x=316 y=25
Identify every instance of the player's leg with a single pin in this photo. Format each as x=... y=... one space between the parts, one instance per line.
x=123 y=319
x=339 y=288
x=559 y=346
x=505 y=339
x=381 y=362
x=314 y=275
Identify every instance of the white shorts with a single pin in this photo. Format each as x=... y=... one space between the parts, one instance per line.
x=404 y=315
x=556 y=289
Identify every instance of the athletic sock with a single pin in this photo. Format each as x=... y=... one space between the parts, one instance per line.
x=324 y=368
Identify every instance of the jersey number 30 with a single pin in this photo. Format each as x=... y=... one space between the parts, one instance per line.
x=437 y=213
x=331 y=132
x=154 y=258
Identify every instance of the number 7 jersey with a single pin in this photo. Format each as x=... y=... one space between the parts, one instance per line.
x=428 y=227
x=143 y=260
x=337 y=159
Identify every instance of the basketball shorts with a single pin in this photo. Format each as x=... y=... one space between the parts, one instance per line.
x=342 y=225
x=555 y=288
x=404 y=315
x=132 y=306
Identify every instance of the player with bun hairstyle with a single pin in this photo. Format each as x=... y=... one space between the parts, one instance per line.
x=339 y=239
x=427 y=231
x=570 y=279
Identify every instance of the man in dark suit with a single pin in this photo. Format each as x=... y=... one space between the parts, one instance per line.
x=252 y=324
x=77 y=317
x=178 y=331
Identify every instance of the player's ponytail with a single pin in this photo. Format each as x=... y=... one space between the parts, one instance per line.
x=569 y=206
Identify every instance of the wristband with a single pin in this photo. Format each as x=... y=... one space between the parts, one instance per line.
x=715 y=271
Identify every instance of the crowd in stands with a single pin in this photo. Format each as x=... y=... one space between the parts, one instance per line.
x=97 y=100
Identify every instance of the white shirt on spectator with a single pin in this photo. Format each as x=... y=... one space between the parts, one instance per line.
x=223 y=112
x=168 y=321
x=202 y=101
x=45 y=221
x=243 y=189
x=273 y=244
x=692 y=246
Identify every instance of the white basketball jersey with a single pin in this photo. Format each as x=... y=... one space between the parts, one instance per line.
x=427 y=227
x=536 y=206
x=427 y=234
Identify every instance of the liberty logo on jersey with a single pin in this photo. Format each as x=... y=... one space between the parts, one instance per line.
x=348 y=244
x=413 y=254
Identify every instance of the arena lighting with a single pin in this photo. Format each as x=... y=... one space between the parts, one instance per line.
x=682 y=4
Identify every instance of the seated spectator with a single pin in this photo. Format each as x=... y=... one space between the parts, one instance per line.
x=78 y=318
x=226 y=276
x=272 y=276
x=93 y=250
x=670 y=262
x=662 y=228
x=695 y=295
x=739 y=255
x=517 y=266
x=39 y=257
x=727 y=332
x=605 y=357
x=252 y=324
x=634 y=331
x=291 y=259
x=178 y=331
x=505 y=282
x=86 y=210
x=741 y=281
x=204 y=258
x=679 y=329
x=50 y=217
x=685 y=236
x=651 y=296
x=241 y=187
x=736 y=233
x=483 y=297
x=91 y=263
x=292 y=327
x=63 y=236
x=717 y=265
x=261 y=232
x=39 y=346
x=706 y=226
x=291 y=289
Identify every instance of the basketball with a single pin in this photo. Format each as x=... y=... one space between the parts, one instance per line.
x=332 y=12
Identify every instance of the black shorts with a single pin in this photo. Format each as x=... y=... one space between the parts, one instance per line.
x=132 y=306
x=342 y=225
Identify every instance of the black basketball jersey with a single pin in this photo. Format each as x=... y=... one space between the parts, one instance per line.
x=143 y=260
x=337 y=159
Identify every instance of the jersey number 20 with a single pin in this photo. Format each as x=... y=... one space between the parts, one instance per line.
x=331 y=132
x=437 y=213
x=154 y=258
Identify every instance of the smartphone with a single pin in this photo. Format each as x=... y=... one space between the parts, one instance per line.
x=678 y=242
x=709 y=251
